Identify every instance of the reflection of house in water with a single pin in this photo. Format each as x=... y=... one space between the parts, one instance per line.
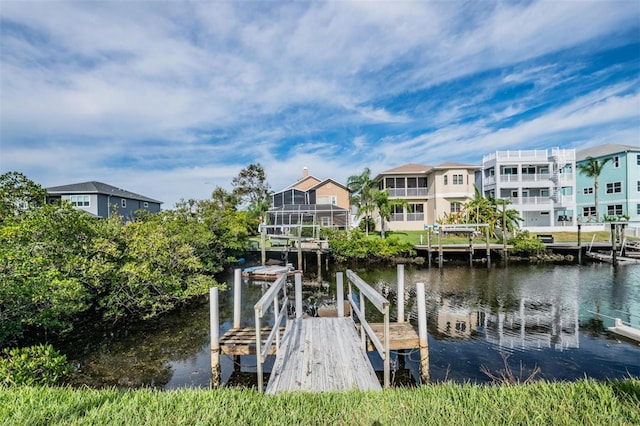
x=457 y=320
x=534 y=325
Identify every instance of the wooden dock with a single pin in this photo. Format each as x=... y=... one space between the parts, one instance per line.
x=321 y=354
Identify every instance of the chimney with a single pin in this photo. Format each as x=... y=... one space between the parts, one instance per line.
x=305 y=172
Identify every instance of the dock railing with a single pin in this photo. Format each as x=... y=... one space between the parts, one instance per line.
x=272 y=295
x=382 y=305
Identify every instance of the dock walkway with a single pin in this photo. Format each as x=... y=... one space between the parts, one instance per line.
x=321 y=354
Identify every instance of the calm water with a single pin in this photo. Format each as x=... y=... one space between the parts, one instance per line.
x=538 y=315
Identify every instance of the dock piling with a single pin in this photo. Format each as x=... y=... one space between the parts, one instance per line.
x=340 y=294
x=422 y=334
x=214 y=325
x=237 y=295
x=400 y=293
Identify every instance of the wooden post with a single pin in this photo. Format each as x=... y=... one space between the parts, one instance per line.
x=363 y=332
x=429 y=244
x=319 y=255
x=422 y=334
x=300 y=266
x=504 y=231
x=263 y=244
x=214 y=324
x=340 y=293
x=237 y=296
x=614 y=247
x=298 y=280
x=400 y=293
x=488 y=248
x=259 y=360
x=580 y=244
x=440 y=248
x=470 y=249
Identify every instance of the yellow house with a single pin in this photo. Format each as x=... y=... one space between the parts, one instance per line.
x=430 y=191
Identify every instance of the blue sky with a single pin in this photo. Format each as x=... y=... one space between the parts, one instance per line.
x=171 y=99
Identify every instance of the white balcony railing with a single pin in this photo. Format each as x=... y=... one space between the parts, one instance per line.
x=407 y=192
x=528 y=201
x=415 y=217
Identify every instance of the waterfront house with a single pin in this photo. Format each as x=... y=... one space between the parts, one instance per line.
x=540 y=184
x=102 y=200
x=311 y=201
x=619 y=183
x=431 y=192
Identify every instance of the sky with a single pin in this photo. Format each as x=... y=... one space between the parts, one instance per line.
x=171 y=99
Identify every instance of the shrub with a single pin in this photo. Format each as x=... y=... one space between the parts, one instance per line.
x=33 y=365
x=524 y=243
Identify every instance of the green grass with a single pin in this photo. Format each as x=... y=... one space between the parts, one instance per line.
x=584 y=402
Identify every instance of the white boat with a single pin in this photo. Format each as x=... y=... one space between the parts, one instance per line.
x=268 y=272
x=625 y=330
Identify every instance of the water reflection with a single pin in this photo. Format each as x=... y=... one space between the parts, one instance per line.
x=544 y=315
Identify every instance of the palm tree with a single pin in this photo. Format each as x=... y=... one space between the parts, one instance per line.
x=593 y=168
x=362 y=190
x=385 y=206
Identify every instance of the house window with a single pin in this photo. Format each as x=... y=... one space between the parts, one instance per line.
x=510 y=171
x=587 y=212
x=416 y=213
x=614 y=210
x=637 y=208
x=146 y=205
x=638 y=159
x=397 y=214
x=514 y=194
x=614 y=188
x=446 y=179
x=587 y=191
x=458 y=180
x=123 y=203
x=324 y=221
x=639 y=186
x=79 y=200
x=616 y=161
x=455 y=207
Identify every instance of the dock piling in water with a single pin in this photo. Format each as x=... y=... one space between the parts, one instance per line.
x=214 y=325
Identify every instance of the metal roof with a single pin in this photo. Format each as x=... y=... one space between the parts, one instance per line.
x=97 y=188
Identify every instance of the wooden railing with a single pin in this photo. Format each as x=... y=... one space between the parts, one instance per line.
x=382 y=305
x=272 y=295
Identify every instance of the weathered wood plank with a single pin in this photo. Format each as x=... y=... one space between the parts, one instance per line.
x=401 y=336
x=242 y=341
x=321 y=354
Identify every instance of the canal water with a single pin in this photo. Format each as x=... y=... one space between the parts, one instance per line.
x=550 y=317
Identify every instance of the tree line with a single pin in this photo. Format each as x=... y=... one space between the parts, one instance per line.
x=60 y=266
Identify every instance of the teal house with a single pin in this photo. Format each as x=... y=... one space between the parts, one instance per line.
x=618 y=184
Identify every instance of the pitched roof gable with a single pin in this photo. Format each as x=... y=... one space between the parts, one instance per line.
x=407 y=168
x=450 y=165
x=602 y=150
x=326 y=181
x=94 y=187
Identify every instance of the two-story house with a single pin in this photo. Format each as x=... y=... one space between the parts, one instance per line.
x=431 y=192
x=311 y=201
x=618 y=183
x=102 y=200
x=540 y=184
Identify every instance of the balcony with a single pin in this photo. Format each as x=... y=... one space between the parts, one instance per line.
x=407 y=192
x=532 y=201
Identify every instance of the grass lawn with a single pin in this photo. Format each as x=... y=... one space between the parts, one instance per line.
x=540 y=403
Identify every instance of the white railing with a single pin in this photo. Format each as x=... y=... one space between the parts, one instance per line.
x=533 y=200
x=408 y=192
x=490 y=180
x=382 y=305
x=279 y=314
x=536 y=177
x=509 y=178
x=412 y=217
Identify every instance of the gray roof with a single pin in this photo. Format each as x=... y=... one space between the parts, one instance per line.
x=602 y=150
x=98 y=188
